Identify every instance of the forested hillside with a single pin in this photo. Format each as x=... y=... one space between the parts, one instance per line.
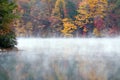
x=68 y=18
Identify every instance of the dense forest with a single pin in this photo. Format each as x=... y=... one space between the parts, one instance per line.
x=61 y=18
x=68 y=18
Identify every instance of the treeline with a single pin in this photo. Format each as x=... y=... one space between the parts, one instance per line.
x=68 y=18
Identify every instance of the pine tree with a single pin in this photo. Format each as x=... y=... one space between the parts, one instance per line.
x=71 y=9
x=7 y=16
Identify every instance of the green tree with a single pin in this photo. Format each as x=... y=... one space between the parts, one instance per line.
x=71 y=9
x=7 y=16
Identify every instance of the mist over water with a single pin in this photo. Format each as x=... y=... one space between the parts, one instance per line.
x=71 y=46
x=63 y=59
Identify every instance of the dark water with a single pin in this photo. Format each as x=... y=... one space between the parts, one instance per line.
x=62 y=59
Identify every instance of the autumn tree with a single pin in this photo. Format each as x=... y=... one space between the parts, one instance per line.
x=47 y=17
x=118 y=14
x=60 y=9
x=7 y=16
x=89 y=10
x=113 y=17
x=69 y=27
x=49 y=5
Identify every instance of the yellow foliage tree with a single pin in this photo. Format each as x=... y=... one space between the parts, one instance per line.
x=90 y=9
x=69 y=27
x=96 y=32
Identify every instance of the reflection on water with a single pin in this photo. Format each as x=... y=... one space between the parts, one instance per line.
x=62 y=59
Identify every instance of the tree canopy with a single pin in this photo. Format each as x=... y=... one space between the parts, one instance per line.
x=56 y=18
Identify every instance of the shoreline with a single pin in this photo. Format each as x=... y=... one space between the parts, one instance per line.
x=8 y=49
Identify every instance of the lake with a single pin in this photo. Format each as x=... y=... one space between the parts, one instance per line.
x=62 y=59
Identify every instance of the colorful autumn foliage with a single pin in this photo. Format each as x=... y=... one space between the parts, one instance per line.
x=91 y=18
x=91 y=12
x=69 y=27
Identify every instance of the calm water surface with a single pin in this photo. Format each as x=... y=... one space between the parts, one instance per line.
x=62 y=59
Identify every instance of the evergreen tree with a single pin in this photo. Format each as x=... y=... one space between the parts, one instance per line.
x=7 y=16
x=71 y=9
